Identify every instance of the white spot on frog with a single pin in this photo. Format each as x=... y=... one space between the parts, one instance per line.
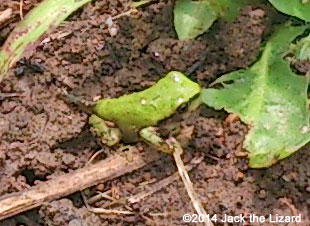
x=143 y=101
x=305 y=129
x=177 y=78
x=180 y=100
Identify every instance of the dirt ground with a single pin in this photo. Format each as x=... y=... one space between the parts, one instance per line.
x=41 y=136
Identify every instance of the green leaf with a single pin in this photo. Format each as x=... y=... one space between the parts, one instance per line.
x=48 y=14
x=142 y=109
x=296 y=8
x=229 y=9
x=192 y=18
x=271 y=99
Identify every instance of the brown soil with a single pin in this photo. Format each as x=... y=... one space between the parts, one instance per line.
x=42 y=136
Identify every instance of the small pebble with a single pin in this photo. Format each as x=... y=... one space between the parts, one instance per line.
x=262 y=194
x=75 y=222
x=109 y=22
x=113 y=31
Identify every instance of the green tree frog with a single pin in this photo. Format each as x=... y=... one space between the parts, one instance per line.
x=136 y=113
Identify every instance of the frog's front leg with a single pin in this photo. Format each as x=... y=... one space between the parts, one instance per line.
x=109 y=135
x=150 y=136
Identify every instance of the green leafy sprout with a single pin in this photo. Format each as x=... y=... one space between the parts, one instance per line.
x=48 y=14
x=297 y=8
x=193 y=18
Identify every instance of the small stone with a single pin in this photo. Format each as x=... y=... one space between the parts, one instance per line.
x=109 y=21
x=113 y=31
x=97 y=98
x=240 y=175
x=68 y=159
x=262 y=194
x=100 y=187
x=286 y=178
x=241 y=153
x=75 y=222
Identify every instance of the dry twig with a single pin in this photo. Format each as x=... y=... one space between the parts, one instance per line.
x=21 y=5
x=66 y=184
x=104 y=211
x=5 y=16
x=186 y=180
x=163 y=183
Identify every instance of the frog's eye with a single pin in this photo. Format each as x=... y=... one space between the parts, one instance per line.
x=183 y=107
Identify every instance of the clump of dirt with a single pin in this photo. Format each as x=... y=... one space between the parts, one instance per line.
x=302 y=66
x=214 y=53
x=42 y=136
x=63 y=212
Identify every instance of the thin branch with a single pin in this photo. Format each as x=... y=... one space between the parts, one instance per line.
x=105 y=211
x=5 y=15
x=171 y=145
x=186 y=180
x=164 y=182
x=21 y=5
x=94 y=157
x=80 y=179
